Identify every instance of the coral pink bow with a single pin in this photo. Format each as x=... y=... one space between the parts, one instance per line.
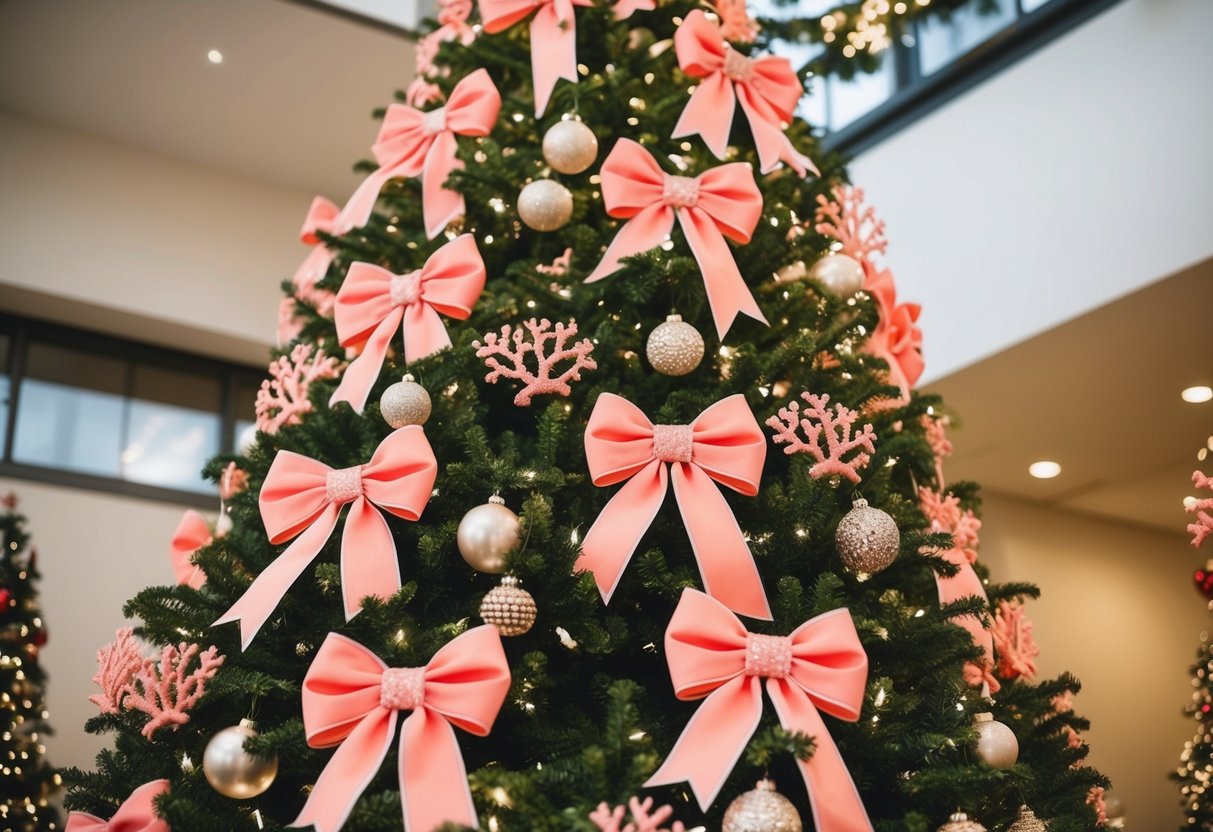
x=321 y=216
x=820 y=665
x=192 y=534
x=136 y=814
x=897 y=338
x=412 y=143
x=373 y=303
x=724 y=444
x=767 y=88
x=352 y=699
x=303 y=495
x=553 y=38
x=722 y=201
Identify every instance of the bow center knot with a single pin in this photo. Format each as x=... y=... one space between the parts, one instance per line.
x=737 y=66
x=433 y=122
x=344 y=485
x=680 y=191
x=402 y=688
x=673 y=443
x=768 y=656
x=406 y=288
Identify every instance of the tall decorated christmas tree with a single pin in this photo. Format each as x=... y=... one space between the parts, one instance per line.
x=590 y=490
x=27 y=780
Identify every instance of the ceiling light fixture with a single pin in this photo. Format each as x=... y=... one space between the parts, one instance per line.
x=1045 y=469
x=215 y=56
x=1198 y=394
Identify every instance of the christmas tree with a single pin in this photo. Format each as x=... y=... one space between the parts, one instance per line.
x=513 y=547
x=28 y=781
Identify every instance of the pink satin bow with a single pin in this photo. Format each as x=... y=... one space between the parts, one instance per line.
x=303 y=495
x=193 y=532
x=321 y=216
x=412 y=143
x=966 y=584
x=820 y=665
x=352 y=699
x=767 y=88
x=725 y=444
x=373 y=303
x=136 y=814
x=897 y=338
x=553 y=38
x=720 y=202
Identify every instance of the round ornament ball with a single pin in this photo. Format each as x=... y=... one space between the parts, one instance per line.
x=762 y=809
x=223 y=524
x=247 y=440
x=867 y=539
x=405 y=403
x=796 y=270
x=996 y=743
x=234 y=772
x=1027 y=822
x=960 y=822
x=569 y=146
x=842 y=276
x=674 y=348
x=509 y=607
x=486 y=534
x=545 y=205
x=6 y=598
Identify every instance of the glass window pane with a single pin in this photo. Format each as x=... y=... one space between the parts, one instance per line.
x=1033 y=5
x=244 y=393
x=942 y=41
x=860 y=95
x=173 y=428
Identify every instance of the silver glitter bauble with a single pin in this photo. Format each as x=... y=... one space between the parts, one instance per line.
x=486 y=534
x=996 y=743
x=509 y=607
x=405 y=403
x=569 y=146
x=867 y=539
x=960 y=822
x=675 y=347
x=545 y=205
x=762 y=809
x=841 y=276
x=234 y=772
x=1027 y=822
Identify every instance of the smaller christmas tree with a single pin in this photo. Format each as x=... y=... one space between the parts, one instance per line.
x=1195 y=770
x=27 y=780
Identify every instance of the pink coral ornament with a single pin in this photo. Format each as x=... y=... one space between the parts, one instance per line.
x=836 y=427
x=167 y=692
x=644 y=817
x=1203 y=527
x=283 y=398
x=855 y=226
x=1017 y=650
x=549 y=346
x=117 y=664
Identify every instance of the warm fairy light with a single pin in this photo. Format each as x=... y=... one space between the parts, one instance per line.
x=1198 y=394
x=1045 y=469
x=636 y=736
x=215 y=56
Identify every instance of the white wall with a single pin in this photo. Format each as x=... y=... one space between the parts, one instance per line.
x=1074 y=177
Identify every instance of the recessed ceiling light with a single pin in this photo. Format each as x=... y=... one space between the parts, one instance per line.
x=215 y=56
x=1198 y=394
x=1045 y=469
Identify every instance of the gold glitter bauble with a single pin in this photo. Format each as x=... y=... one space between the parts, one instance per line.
x=232 y=771
x=509 y=607
x=569 y=146
x=762 y=809
x=675 y=347
x=487 y=534
x=545 y=205
x=867 y=539
x=1027 y=822
x=405 y=403
x=996 y=743
x=960 y=822
x=841 y=276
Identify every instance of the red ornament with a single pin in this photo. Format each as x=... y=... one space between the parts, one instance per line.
x=40 y=638
x=1204 y=580
x=5 y=597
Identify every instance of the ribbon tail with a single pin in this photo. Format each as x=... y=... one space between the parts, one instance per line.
x=836 y=804
x=612 y=540
x=313 y=267
x=709 y=113
x=368 y=557
x=84 y=822
x=553 y=53
x=261 y=598
x=424 y=332
x=713 y=740
x=772 y=143
x=433 y=780
x=642 y=232
x=439 y=204
x=728 y=294
x=361 y=203
x=966 y=584
x=348 y=772
x=362 y=373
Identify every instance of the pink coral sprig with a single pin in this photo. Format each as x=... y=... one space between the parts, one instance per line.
x=644 y=817
x=1017 y=649
x=937 y=437
x=167 y=691
x=736 y=24
x=836 y=426
x=549 y=346
x=944 y=514
x=117 y=665
x=283 y=398
x=1202 y=508
x=846 y=219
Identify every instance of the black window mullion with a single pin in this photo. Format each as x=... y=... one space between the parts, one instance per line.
x=16 y=365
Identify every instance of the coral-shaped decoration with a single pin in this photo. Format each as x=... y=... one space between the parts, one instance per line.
x=282 y=399
x=117 y=665
x=937 y=437
x=167 y=692
x=1202 y=508
x=1017 y=650
x=644 y=817
x=735 y=21
x=549 y=347
x=1095 y=799
x=559 y=266
x=944 y=514
x=846 y=219
x=9 y=501
x=232 y=481
x=837 y=427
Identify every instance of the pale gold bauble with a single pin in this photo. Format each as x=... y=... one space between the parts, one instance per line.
x=1027 y=822
x=545 y=205
x=674 y=348
x=405 y=403
x=996 y=743
x=509 y=608
x=234 y=772
x=842 y=276
x=867 y=539
x=487 y=534
x=762 y=809
x=960 y=822
x=569 y=146
x=791 y=272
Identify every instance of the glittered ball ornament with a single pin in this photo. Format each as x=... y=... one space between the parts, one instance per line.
x=545 y=205
x=867 y=539
x=569 y=146
x=996 y=743
x=960 y=822
x=842 y=276
x=762 y=809
x=674 y=348
x=509 y=608
x=234 y=772
x=1027 y=822
x=405 y=403
x=486 y=534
